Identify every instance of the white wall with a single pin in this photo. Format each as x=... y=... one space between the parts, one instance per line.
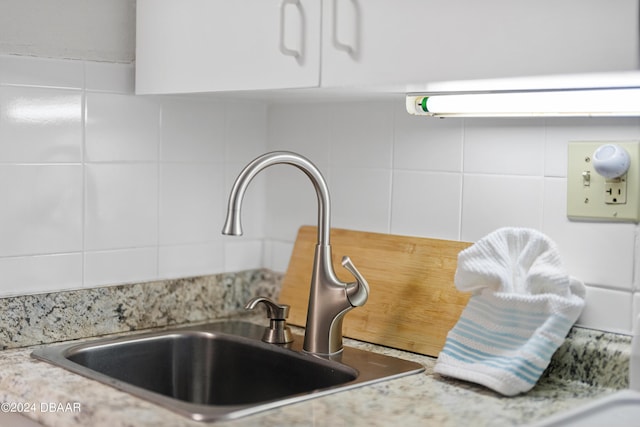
x=100 y=187
x=97 y=30
x=453 y=179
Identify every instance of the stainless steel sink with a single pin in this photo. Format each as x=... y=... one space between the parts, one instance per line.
x=220 y=370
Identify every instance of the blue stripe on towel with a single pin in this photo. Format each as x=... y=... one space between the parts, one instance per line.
x=512 y=362
x=540 y=346
x=516 y=366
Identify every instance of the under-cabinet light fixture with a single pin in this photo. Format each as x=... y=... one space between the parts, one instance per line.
x=555 y=103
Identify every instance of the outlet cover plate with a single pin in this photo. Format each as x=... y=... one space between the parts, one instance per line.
x=587 y=202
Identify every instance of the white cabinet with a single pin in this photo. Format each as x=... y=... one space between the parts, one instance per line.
x=187 y=46
x=231 y=45
x=381 y=42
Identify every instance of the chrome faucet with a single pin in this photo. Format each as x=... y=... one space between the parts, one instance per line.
x=329 y=298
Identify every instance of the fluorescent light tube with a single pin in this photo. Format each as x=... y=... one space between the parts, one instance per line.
x=598 y=102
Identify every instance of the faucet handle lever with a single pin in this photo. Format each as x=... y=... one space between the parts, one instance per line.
x=359 y=293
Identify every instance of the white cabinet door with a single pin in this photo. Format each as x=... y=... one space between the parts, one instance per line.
x=382 y=42
x=187 y=46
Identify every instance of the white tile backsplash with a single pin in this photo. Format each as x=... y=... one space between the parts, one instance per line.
x=291 y=202
x=504 y=146
x=427 y=145
x=245 y=126
x=192 y=131
x=40 y=125
x=191 y=260
x=121 y=128
x=360 y=198
x=493 y=201
x=102 y=187
x=243 y=254
x=120 y=266
x=635 y=318
x=361 y=134
x=41 y=209
x=40 y=273
x=304 y=127
x=607 y=309
x=121 y=206
x=277 y=254
x=423 y=203
x=186 y=216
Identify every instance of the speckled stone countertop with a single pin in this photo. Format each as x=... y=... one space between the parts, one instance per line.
x=421 y=399
x=589 y=365
x=39 y=319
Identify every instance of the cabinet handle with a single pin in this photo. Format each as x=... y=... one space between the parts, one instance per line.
x=334 y=35
x=283 y=47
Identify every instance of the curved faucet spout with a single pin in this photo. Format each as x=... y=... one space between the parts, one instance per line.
x=329 y=298
x=233 y=224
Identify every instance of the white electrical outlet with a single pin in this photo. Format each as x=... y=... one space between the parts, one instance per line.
x=615 y=191
x=590 y=196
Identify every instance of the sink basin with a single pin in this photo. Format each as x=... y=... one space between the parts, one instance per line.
x=221 y=370
x=209 y=369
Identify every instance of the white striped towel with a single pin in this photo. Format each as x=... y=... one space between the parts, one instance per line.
x=522 y=307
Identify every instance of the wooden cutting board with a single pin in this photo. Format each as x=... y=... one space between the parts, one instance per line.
x=413 y=301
